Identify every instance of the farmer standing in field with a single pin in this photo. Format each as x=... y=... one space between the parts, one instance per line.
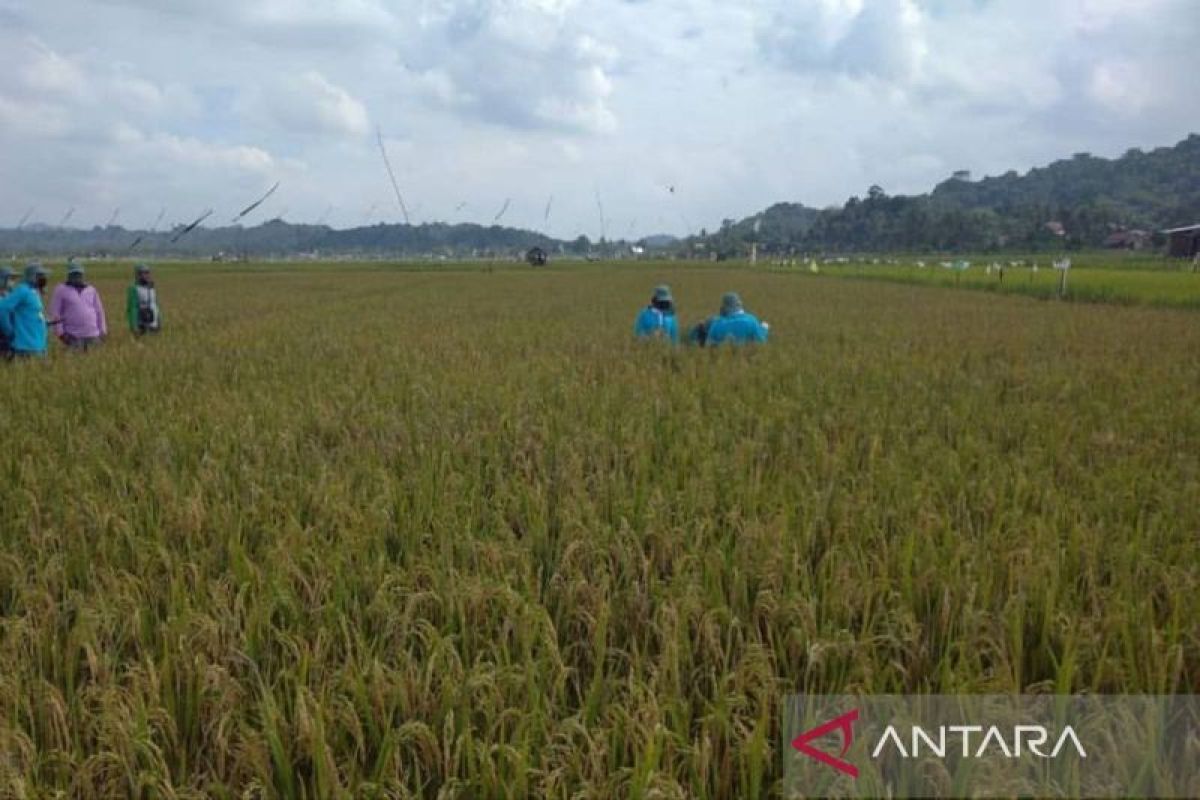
x=77 y=311
x=735 y=324
x=141 y=303
x=657 y=320
x=21 y=315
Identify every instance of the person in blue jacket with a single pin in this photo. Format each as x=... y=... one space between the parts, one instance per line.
x=22 y=317
x=735 y=324
x=657 y=320
x=6 y=276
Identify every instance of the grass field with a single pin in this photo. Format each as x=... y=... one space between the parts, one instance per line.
x=1104 y=277
x=362 y=532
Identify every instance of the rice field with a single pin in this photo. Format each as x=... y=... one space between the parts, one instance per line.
x=356 y=531
x=1115 y=278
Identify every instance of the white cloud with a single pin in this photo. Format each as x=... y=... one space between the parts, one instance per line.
x=738 y=105
x=310 y=103
x=85 y=131
x=882 y=39
x=516 y=63
x=32 y=118
x=280 y=23
x=42 y=70
x=335 y=107
x=182 y=151
x=1121 y=87
x=1090 y=16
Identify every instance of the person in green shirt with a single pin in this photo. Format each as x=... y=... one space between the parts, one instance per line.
x=141 y=303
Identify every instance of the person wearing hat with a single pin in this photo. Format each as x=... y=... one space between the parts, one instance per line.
x=141 y=303
x=22 y=317
x=657 y=320
x=735 y=324
x=77 y=311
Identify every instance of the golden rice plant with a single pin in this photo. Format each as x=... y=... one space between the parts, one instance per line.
x=360 y=531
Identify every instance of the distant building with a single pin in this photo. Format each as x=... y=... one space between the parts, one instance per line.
x=1056 y=227
x=1183 y=242
x=1128 y=240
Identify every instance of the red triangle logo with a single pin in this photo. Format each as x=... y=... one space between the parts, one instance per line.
x=845 y=724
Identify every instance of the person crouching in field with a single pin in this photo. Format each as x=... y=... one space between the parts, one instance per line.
x=77 y=311
x=734 y=324
x=657 y=320
x=141 y=303
x=22 y=318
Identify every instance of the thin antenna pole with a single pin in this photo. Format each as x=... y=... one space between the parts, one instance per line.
x=391 y=175
x=256 y=203
x=153 y=228
x=603 y=224
x=503 y=208
x=192 y=226
x=686 y=223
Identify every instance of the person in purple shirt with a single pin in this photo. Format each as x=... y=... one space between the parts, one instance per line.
x=77 y=311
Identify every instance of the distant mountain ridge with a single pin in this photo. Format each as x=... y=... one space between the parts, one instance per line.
x=279 y=238
x=276 y=238
x=1089 y=198
x=1072 y=203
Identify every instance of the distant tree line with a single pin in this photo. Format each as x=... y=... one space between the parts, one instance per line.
x=278 y=238
x=1070 y=204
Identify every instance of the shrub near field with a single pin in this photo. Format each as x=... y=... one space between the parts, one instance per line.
x=342 y=532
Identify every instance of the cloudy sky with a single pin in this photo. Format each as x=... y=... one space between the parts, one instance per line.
x=140 y=105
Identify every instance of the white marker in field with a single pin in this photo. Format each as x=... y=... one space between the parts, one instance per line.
x=1063 y=267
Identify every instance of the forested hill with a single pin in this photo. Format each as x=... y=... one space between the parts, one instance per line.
x=1089 y=198
x=1074 y=203
x=278 y=238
